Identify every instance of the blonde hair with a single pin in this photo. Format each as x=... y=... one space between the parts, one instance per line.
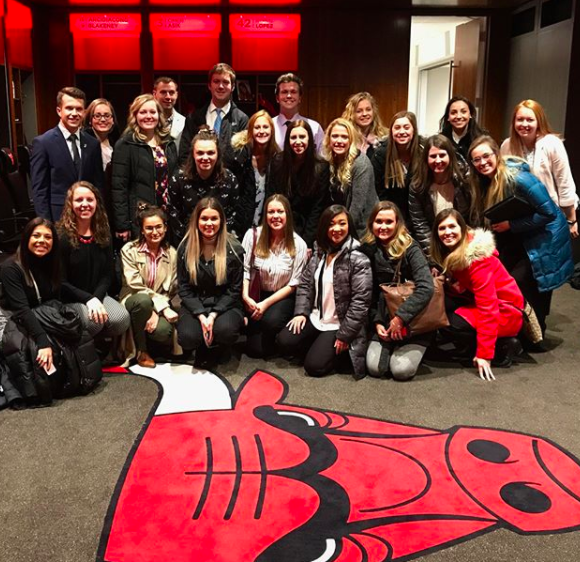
x=502 y=182
x=516 y=146
x=342 y=173
x=194 y=242
x=376 y=127
x=401 y=239
x=263 y=243
x=161 y=129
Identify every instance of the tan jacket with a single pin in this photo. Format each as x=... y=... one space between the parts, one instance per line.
x=135 y=274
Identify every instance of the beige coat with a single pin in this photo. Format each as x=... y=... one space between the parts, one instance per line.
x=163 y=294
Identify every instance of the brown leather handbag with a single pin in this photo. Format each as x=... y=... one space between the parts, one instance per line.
x=432 y=317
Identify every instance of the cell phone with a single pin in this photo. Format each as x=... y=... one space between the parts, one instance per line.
x=51 y=370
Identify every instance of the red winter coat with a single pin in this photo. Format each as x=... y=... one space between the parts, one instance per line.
x=498 y=300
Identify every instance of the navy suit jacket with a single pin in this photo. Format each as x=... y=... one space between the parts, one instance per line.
x=52 y=170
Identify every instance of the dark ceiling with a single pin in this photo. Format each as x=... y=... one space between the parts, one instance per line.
x=448 y=5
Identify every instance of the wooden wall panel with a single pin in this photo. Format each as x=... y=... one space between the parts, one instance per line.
x=466 y=59
x=572 y=131
x=53 y=61
x=344 y=51
x=496 y=80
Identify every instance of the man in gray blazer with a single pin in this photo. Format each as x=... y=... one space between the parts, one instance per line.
x=64 y=155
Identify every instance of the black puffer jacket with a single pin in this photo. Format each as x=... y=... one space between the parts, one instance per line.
x=353 y=286
x=78 y=368
x=133 y=178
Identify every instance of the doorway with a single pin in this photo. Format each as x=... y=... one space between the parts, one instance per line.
x=447 y=55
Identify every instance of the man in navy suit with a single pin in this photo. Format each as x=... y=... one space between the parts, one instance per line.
x=63 y=156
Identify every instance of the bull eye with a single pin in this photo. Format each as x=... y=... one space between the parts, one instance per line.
x=488 y=451
x=523 y=497
x=299 y=416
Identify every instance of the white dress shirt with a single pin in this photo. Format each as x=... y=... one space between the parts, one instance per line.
x=66 y=133
x=279 y=269
x=211 y=114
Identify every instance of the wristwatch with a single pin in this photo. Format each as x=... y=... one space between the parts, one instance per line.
x=571 y=223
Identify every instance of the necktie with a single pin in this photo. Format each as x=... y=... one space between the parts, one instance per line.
x=75 y=153
x=287 y=123
x=218 y=120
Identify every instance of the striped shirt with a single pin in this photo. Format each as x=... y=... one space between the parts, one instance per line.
x=152 y=262
x=279 y=269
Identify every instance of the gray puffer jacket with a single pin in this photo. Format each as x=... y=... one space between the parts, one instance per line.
x=353 y=287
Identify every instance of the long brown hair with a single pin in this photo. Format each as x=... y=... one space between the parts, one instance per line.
x=454 y=259
x=204 y=134
x=395 y=173
x=67 y=225
x=194 y=241
x=263 y=243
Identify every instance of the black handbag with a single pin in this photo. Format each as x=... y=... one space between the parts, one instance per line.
x=255 y=286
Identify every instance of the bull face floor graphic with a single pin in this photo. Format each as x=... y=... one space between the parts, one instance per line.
x=242 y=476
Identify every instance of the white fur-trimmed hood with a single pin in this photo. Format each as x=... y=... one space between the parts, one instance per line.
x=481 y=246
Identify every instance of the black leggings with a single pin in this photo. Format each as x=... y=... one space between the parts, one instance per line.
x=320 y=356
x=226 y=329
x=261 y=334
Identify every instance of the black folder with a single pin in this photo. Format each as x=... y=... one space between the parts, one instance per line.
x=511 y=208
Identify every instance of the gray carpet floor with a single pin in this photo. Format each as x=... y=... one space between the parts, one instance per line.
x=60 y=465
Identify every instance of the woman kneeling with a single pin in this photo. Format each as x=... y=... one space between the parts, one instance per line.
x=393 y=253
x=149 y=283
x=332 y=300
x=276 y=255
x=494 y=316
x=210 y=271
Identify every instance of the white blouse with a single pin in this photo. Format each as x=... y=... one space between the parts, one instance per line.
x=549 y=163
x=279 y=269
x=442 y=196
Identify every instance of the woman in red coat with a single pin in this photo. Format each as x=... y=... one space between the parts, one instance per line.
x=493 y=315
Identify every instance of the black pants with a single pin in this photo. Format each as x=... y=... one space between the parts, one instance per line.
x=516 y=261
x=261 y=334
x=226 y=329
x=320 y=356
x=464 y=336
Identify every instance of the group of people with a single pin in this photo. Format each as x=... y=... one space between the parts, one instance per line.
x=326 y=220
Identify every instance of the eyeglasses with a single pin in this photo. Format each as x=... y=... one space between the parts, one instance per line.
x=102 y=116
x=483 y=158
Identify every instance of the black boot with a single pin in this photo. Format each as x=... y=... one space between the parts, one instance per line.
x=506 y=349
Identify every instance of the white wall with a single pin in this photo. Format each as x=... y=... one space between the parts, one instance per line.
x=432 y=43
x=539 y=70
